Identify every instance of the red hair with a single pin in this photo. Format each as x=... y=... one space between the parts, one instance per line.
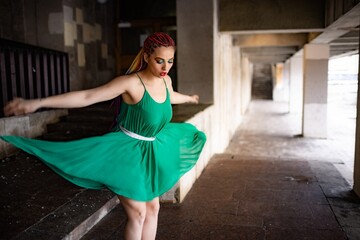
x=155 y=40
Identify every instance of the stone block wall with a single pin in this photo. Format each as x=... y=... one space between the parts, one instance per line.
x=84 y=29
x=89 y=36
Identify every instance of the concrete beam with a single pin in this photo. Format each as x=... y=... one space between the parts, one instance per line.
x=341 y=26
x=270 y=50
x=288 y=39
x=269 y=59
x=269 y=54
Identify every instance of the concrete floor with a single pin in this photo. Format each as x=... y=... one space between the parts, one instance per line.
x=269 y=184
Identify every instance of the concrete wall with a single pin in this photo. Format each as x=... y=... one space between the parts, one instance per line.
x=84 y=29
x=33 y=22
x=246 y=76
x=227 y=90
x=90 y=41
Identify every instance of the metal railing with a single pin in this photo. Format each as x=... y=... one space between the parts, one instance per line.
x=31 y=72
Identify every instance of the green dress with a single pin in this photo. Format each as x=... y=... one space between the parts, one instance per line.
x=141 y=158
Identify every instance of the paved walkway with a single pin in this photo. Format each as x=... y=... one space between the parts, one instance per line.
x=269 y=184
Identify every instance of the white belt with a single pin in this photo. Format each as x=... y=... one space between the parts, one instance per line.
x=136 y=136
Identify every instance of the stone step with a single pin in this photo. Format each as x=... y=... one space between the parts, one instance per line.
x=89 y=129
x=110 y=227
x=63 y=136
x=73 y=219
x=39 y=204
x=42 y=205
x=103 y=118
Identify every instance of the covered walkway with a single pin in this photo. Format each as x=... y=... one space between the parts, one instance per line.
x=269 y=184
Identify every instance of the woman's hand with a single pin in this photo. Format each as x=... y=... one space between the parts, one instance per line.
x=194 y=99
x=178 y=98
x=20 y=106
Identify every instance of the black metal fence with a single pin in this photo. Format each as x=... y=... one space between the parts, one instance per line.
x=31 y=72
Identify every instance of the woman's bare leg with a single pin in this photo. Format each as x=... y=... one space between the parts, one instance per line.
x=151 y=219
x=136 y=213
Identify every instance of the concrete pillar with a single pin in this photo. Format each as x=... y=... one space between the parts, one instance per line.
x=195 y=48
x=357 y=141
x=281 y=84
x=296 y=83
x=246 y=75
x=316 y=58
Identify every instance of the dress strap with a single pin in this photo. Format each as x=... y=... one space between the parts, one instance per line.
x=165 y=82
x=141 y=80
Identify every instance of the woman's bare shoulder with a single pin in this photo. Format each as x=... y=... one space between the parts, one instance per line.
x=168 y=81
x=129 y=80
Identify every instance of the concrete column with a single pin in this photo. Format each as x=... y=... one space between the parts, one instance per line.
x=357 y=141
x=316 y=58
x=281 y=84
x=195 y=48
x=296 y=83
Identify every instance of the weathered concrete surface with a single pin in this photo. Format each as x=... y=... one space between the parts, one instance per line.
x=259 y=15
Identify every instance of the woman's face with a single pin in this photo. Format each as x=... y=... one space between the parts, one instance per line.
x=160 y=61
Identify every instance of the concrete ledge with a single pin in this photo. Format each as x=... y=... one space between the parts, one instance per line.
x=31 y=125
x=92 y=220
x=200 y=116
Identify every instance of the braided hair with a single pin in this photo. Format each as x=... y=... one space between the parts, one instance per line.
x=155 y=40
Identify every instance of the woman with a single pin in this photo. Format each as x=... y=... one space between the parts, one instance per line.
x=144 y=155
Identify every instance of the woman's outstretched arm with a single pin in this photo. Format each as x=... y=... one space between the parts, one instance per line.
x=178 y=98
x=74 y=99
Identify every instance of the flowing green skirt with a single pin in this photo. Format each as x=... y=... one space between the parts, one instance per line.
x=137 y=169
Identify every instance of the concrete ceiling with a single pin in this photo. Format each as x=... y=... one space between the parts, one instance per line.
x=346 y=44
x=273 y=46
x=343 y=34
